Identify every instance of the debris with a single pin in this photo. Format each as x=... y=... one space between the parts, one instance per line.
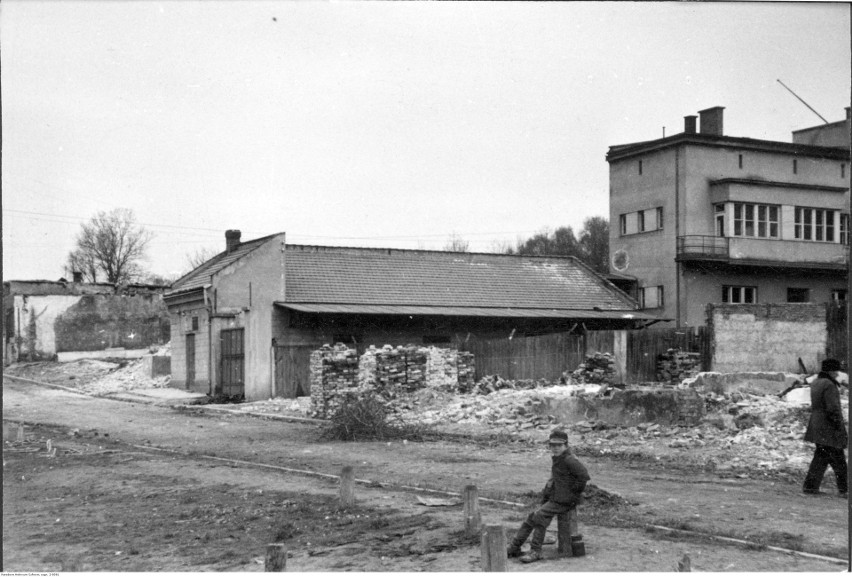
x=435 y=502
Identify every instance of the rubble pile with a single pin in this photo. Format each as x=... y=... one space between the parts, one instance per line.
x=492 y=383
x=597 y=368
x=675 y=365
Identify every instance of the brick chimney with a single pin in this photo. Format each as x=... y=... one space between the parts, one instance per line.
x=77 y=276
x=689 y=124
x=711 y=120
x=232 y=240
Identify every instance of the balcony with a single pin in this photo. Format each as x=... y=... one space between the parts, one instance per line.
x=759 y=252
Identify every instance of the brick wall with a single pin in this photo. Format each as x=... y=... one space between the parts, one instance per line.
x=766 y=337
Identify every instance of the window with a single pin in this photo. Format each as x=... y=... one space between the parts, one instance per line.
x=741 y=161
x=720 y=219
x=651 y=297
x=641 y=221
x=795 y=166
x=739 y=294
x=842 y=171
x=815 y=224
x=798 y=295
x=839 y=295
x=844 y=229
x=640 y=167
x=195 y=323
x=755 y=220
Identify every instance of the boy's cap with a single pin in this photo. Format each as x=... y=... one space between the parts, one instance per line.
x=558 y=437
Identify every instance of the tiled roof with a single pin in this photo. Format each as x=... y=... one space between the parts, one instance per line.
x=201 y=275
x=431 y=278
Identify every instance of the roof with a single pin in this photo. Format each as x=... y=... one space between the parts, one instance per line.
x=203 y=274
x=620 y=151
x=467 y=311
x=337 y=275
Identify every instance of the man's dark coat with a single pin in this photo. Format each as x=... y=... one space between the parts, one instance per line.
x=826 y=425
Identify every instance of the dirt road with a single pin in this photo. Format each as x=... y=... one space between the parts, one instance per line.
x=160 y=501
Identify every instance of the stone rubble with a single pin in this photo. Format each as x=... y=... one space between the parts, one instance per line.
x=597 y=368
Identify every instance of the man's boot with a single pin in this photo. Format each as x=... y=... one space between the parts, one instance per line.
x=531 y=557
x=514 y=548
x=535 y=545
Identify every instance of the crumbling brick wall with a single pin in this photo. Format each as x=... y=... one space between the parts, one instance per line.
x=675 y=365
x=337 y=373
x=766 y=337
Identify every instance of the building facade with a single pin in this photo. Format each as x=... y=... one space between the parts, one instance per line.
x=700 y=217
x=244 y=323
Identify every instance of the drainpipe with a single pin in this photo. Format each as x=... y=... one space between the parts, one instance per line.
x=209 y=308
x=677 y=234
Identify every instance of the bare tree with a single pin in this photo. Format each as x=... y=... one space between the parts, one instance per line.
x=594 y=243
x=200 y=256
x=591 y=246
x=456 y=244
x=112 y=244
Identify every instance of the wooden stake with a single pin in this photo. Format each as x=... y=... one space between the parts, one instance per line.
x=566 y=528
x=472 y=518
x=276 y=558
x=347 y=486
x=493 y=548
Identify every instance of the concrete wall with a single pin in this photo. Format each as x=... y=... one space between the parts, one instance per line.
x=181 y=325
x=768 y=337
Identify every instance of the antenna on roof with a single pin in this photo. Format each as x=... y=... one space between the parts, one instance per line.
x=802 y=101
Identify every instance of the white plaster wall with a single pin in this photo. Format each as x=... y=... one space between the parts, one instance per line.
x=45 y=309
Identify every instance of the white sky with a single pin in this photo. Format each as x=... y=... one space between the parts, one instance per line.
x=389 y=124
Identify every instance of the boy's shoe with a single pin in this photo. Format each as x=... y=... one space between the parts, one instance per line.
x=531 y=557
x=512 y=551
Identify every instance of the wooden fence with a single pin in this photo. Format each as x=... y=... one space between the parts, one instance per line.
x=549 y=356
x=836 y=323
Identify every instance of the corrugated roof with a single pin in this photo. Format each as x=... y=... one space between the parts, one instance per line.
x=464 y=311
x=432 y=278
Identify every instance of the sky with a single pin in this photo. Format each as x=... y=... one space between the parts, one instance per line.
x=384 y=124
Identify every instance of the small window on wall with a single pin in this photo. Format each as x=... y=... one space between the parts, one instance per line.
x=739 y=294
x=798 y=295
x=839 y=295
x=651 y=297
x=194 y=323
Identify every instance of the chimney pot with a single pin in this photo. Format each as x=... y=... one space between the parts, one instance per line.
x=711 y=121
x=232 y=240
x=689 y=124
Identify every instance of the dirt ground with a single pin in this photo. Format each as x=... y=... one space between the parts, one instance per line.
x=143 y=488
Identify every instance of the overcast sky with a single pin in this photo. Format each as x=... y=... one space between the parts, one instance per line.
x=392 y=124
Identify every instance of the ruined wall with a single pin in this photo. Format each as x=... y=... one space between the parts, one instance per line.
x=766 y=337
x=97 y=322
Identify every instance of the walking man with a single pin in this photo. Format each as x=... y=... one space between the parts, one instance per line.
x=826 y=430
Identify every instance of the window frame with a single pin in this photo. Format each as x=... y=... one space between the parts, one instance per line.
x=812 y=224
x=729 y=291
x=750 y=218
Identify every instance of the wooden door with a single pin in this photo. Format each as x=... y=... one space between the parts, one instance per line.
x=232 y=363
x=190 y=360
x=293 y=371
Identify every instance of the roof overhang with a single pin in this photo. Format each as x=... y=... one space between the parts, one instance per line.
x=494 y=312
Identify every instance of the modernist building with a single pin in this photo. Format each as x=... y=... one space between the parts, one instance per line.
x=244 y=323
x=700 y=217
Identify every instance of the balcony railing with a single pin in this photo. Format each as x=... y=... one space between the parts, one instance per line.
x=703 y=246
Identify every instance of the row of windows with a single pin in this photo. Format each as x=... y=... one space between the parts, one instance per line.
x=763 y=221
x=748 y=294
x=652 y=297
x=741 y=164
x=641 y=221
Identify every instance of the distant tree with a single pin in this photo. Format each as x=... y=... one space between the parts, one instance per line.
x=456 y=244
x=560 y=242
x=157 y=279
x=594 y=243
x=200 y=256
x=110 y=244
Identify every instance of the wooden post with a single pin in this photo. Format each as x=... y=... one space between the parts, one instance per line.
x=347 y=486
x=276 y=558
x=472 y=518
x=493 y=548
x=20 y=433
x=563 y=533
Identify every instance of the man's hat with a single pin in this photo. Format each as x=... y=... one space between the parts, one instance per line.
x=558 y=436
x=829 y=365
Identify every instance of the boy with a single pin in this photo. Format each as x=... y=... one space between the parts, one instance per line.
x=568 y=478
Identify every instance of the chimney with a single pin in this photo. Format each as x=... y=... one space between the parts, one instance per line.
x=711 y=120
x=848 y=112
x=78 y=276
x=232 y=240
x=689 y=124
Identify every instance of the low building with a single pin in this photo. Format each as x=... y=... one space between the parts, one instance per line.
x=701 y=217
x=244 y=323
x=46 y=320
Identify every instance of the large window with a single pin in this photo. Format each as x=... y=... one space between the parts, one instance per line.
x=641 y=221
x=844 y=229
x=651 y=297
x=739 y=294
x=755 y=220
x=815 y=224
